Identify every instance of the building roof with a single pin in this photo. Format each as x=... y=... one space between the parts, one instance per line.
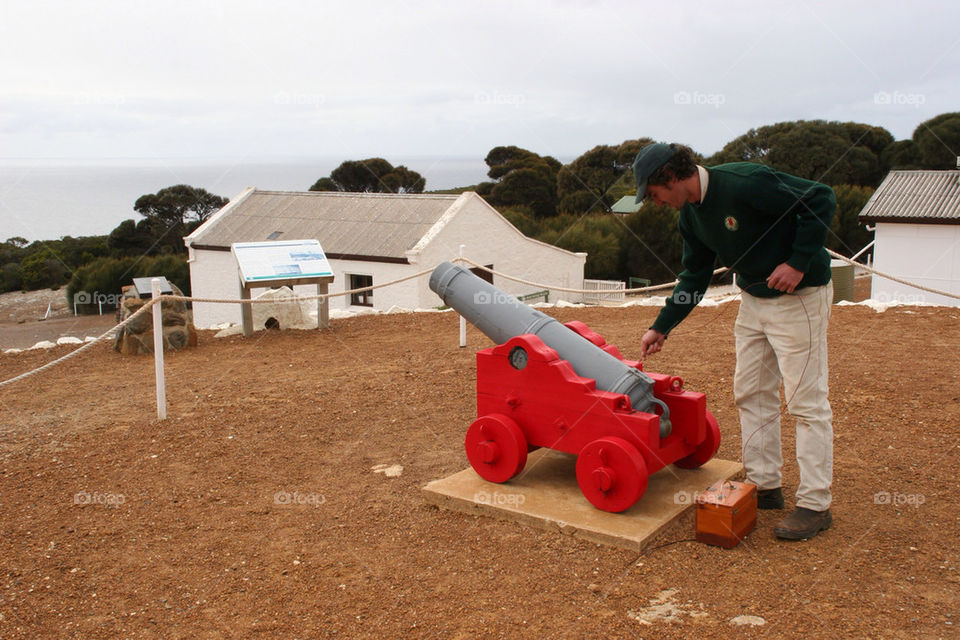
x=920 y=197
x=626 y=204
x=379 y=226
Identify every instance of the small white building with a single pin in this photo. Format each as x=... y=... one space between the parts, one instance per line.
x=370 y=239
x=917 y=238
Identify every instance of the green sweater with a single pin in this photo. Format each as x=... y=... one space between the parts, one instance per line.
x=753 y=218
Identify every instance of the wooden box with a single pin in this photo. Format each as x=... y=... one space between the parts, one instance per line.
x=726 y=513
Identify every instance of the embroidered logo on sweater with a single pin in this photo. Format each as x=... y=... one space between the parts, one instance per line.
x=731 y=223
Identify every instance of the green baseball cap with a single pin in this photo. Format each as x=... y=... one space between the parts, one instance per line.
x=651 y=157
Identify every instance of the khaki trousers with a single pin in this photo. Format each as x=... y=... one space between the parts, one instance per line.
x=784 y=339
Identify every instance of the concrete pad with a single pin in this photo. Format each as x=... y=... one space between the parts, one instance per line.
x=546 y=495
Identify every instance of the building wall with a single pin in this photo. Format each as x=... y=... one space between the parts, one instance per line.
x=928 y=254
x=213 y=274
x=490 y=239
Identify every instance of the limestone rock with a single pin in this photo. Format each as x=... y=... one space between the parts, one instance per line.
x=137 y=337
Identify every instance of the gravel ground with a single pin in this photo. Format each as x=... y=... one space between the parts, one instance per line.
x=262 y=506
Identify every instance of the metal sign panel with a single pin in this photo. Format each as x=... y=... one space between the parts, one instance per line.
x=144 y=286
x=280 y=260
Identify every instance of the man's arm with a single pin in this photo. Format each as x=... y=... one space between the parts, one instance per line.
x=698 y=261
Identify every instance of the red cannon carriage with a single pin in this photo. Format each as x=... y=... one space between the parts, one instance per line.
x=565 y=388
x=528 y=397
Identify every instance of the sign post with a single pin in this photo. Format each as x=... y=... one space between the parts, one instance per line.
x=282 y=262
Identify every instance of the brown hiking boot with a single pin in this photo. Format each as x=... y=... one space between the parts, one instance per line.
x=770 y=498
x=803 y=524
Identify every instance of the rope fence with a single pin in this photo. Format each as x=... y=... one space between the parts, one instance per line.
x=302 y=298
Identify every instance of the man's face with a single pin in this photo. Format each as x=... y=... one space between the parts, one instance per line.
x=669 y=194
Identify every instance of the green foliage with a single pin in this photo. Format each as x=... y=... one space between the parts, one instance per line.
x=652 y=247
x=938 y=141
x=373 y=175
x=522 y=178
x=598 y=235
x=902 y=154
x=828 y=152
x=11 y=277
x=45 y=264
x=179 y=204
x=325 y=184
x=104 y=278
x=171 y=213
x=847 y=235
x=131 y=238
x=523 y=219
x=585 y=185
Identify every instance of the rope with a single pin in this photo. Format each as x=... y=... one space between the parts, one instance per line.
x=419 y=274
x=78 y=350
x=301 y=298
x=540 y=285
x=153 y=301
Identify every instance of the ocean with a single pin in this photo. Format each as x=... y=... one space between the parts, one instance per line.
x=48 y=199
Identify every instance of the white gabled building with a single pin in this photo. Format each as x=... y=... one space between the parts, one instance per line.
x=917 y=237
x=370 y=239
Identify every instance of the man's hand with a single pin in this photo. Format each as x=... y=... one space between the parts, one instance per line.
x=651 y=342
x=784 y=278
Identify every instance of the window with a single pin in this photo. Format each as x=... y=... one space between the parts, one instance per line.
x=365 y=298
x=483 y=274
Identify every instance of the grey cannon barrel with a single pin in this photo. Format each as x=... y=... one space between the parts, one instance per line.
x=500 y=316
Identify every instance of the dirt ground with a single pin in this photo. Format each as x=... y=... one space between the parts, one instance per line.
x=22 y=324
x=260 y=509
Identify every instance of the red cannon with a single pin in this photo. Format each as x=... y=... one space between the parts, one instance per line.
x=528 y=397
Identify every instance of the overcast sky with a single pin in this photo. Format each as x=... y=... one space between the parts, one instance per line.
x=257 y=80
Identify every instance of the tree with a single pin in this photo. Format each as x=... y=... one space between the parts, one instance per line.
x=847 y=235
x=829 y=152
x=599 y=235
x=175 y=211
x=902 y=154
x=938 y=141
x=522 y=178
x=43 y=269
x=179 y=204
x=373 y=175
x=585 y=184
x=652 y=247
x=131 y=238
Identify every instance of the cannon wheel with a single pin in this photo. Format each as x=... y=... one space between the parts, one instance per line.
x=611 y=473
x=496 y=447
x=706 y=449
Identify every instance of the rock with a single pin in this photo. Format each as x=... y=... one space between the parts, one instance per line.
x=69 y=340
x=391 y=471
x=137 y=337
x=43 y=344
x=753 y=621
x=232 y=330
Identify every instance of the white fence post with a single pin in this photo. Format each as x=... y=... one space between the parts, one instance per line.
x=158 y=349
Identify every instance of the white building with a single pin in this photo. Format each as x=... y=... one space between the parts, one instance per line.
x=369 y=239
x=917 y=218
